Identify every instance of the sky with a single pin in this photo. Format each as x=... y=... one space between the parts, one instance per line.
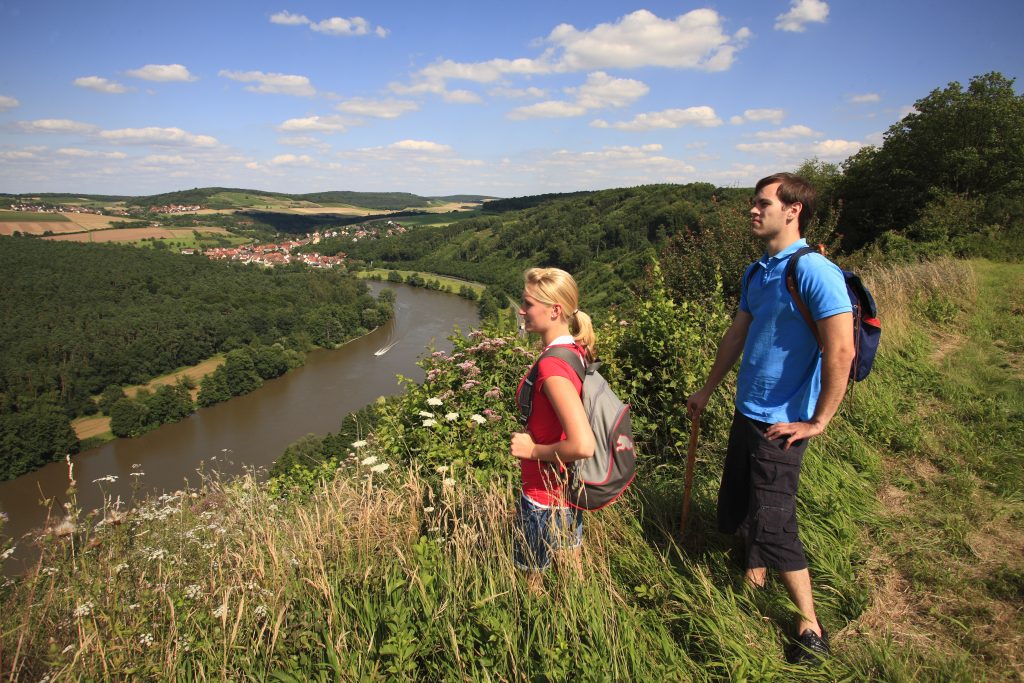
x=457 y=97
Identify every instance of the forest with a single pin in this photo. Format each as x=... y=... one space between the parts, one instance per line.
x=79 y=318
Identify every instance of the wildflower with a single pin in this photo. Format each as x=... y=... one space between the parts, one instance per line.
x=4 y=517
x=424 y=413
x=428 y=510
x=138 y=474
x=158 y=554
x=134 y=606
x=359 y=444
x=433 y=374
x=476 y=334
x=193 y=592
x=491 y=415
x=221 y=612
x=434 y=401
x=470 y=384
x=120 y=568
x=7 y=553
x=442 y=469
x=261 y=611
x=83 y=609
x=380 y=468
x=49 y=571
x=448 y=482
x=430 y=423
x=136 y=466
x=493 y=392
x=146 y=639
x=371 y=460
x=451 y=417
x=110 y=477
x=479 y=419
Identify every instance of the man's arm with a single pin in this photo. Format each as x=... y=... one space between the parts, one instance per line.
x=729 y=350
x=836 y=356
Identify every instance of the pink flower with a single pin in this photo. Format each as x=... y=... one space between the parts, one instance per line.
x=494 y=392
x=471 y=384
x=491 y=415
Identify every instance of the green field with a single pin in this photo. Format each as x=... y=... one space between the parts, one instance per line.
x=453 y=283
x=30 y=217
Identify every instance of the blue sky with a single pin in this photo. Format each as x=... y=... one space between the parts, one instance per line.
x=451 y=96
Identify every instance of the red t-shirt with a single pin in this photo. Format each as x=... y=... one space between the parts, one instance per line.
x=540 y=479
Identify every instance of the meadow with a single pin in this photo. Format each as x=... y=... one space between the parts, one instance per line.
x=392 y=559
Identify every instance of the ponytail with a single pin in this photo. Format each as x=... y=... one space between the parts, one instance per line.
x=555 y=286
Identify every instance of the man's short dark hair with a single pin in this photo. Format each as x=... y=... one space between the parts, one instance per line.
x=793 y=189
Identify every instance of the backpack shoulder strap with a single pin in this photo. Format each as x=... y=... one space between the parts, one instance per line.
x=748 y=275
x=524 y=399
x=795 y=292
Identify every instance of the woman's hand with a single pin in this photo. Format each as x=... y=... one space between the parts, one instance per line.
x=522 y=446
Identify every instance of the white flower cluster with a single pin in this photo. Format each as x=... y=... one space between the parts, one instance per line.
x=83 y=609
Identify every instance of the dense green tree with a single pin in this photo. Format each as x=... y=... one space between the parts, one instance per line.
x=957 y=142
x=33 y=432
x=128 y=417
x=109 y=397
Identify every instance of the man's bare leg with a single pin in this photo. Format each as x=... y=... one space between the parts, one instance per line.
x=756 y=576
x=798 y=585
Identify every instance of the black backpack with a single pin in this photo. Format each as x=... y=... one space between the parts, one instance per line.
x=592 y=483
x=867 y=329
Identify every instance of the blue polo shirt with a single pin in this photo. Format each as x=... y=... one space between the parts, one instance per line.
x=780 y=374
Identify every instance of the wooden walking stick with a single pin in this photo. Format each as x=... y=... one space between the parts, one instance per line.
x=691 y=457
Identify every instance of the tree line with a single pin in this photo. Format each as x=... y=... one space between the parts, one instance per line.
x=80 y=318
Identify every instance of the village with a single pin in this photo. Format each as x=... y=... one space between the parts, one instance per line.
x=280 y=253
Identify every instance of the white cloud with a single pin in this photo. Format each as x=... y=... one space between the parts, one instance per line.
x=89 y=154
x=272 y=83
x=334 y=26
x=601 y=90
x=315 y=124
x=153 y=135
x=300 y=141
x=787 y=133
x=167 y=160
x=56 y=126
x=823 y=149
x=756 y=115
x=286 y=18
x=694 y=40
x=516 y=93
x=704 y=117
x=460 y=97
x=801 y=13
x=866 y=98
x=835 y=149
x=548 y=110
x=162 y=72
x=8 y=103
x=381 y=109
x=17 y=155
x=292 y=160
x=100 y=84
x=420 y=146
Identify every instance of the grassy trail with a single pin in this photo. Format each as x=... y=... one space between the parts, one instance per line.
x=949 y=572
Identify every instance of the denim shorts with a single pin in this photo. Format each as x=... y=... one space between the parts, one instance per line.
x=757 y=498
x=539 y=531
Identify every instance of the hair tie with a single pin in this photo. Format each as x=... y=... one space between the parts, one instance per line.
x=576 y=311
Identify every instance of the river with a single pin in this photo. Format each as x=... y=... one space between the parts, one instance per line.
x=249 y=431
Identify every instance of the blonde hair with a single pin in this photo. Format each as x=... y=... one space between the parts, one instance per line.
x=555 y=286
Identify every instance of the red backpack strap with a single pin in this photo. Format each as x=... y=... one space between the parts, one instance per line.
x=795 y=293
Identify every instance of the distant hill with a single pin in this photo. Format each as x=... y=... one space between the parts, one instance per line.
x=238 y=198
x=61 y=197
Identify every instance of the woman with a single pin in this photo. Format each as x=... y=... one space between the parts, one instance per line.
x=557 y=431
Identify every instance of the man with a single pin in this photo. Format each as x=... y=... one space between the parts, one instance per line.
x=787 y=391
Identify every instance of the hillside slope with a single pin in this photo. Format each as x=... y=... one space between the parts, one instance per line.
x=393 y=560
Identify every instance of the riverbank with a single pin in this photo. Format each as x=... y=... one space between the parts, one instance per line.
x=245 y=433
x=447 y=283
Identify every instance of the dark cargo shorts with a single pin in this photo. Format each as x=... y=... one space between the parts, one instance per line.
x=757 y=498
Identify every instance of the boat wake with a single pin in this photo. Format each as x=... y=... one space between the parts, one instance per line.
x=384 y=349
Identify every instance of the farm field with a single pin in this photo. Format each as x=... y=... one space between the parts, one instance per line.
x=40 y=223
x=97 y=425
x=136 y=234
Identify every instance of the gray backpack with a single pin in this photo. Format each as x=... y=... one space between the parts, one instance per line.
x=592 y=482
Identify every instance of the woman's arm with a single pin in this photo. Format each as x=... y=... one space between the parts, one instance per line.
x=579 y=437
